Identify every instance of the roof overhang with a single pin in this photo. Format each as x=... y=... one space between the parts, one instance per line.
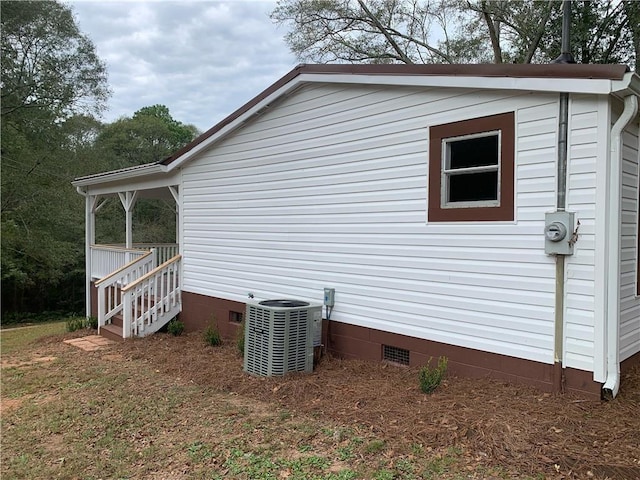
x=149 y=179
x=571 y=78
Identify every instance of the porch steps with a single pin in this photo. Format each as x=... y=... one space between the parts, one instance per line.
x=112 y=332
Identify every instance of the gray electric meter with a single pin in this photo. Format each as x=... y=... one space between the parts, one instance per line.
x=557 y=233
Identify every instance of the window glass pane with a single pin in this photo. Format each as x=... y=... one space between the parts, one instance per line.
x=473 y=187
x=473 y=152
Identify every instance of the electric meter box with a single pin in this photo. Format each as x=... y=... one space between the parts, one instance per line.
x=558 y=231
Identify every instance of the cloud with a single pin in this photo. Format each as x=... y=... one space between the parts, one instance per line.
x=203 y=59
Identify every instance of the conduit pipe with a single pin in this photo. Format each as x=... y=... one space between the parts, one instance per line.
x=614 y=204
x=561 y=201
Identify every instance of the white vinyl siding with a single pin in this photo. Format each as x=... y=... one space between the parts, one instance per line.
x=629 y=301
x=584 y=138
x=328 y=188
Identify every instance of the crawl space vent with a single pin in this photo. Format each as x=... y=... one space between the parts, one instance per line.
x=279 y=336
x=395 y=355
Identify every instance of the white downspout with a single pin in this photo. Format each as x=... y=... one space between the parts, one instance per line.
x=612 y=345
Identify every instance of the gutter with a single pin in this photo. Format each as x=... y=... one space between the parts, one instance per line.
x=614 y=203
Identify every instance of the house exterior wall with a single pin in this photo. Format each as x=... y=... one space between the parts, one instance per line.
x=329 y=190
x=588 y=130
x=629 y=299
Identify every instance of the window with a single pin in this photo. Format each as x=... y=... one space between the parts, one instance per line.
x=471 y=166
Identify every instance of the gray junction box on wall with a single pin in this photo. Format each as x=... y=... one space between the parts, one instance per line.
x=279 y=336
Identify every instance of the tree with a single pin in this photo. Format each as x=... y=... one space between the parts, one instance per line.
x=47 y=63
x=152 y=134
x=50 y=73
x=456 y=31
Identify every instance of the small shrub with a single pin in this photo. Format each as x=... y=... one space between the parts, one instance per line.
x=430 y=378
x=212 y=335
x=92 y=322
x=175 y=327
x=240 y=338
x=75 y=323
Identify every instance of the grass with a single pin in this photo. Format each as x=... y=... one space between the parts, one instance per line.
x=109 y=418
x=12 y=339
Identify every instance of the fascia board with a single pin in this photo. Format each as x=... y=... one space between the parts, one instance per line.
x=118 y=175
x=149 y=182
x=238 y=122
x=546 y=84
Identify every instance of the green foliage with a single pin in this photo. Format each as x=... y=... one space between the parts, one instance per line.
x=92 y=323
x=212 y=335
x=240 y=337
x=52 y=85
x=175 y=327
x=76 y=323
x=430 y=378
x=150 y=135
x=48 y=65
x=50 y=72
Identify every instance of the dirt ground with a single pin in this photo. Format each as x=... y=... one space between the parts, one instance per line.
x=515 y=427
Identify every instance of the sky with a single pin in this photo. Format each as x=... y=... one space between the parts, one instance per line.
x=202 y=59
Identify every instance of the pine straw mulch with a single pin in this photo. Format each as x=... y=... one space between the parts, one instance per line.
x=516 y=427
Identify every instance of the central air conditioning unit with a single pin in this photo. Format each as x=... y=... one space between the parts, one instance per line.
x=279 y=336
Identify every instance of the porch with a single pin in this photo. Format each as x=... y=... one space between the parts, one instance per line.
x=137 y=290
x=132 y=287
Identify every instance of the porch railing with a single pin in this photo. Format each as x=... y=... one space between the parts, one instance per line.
x=152 y=300
x=164 y=251
x=110 y=286
x=106 y=259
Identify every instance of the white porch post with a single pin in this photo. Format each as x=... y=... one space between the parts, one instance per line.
x=89 y=240
x=128 y=200
x=175 y=195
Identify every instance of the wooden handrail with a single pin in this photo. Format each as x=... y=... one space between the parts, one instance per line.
x=118 y=247
x=129 y=286
x=124 y=267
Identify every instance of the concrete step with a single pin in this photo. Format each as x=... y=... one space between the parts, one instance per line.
x=112 y=332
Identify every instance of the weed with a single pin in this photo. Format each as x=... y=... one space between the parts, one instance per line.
x=175 y=327
x=92 y=323
x=344 y=453
x=76 y=323
x=284 y=415
x=384 y=475
x=374 y=446
x=342 y=475
x=430 y=378
x=240 y=338
x=212 y=334
x=198 y=451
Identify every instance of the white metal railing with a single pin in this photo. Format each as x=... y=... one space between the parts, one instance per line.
x=152 y=300
x=110 y=286
x=106 y=259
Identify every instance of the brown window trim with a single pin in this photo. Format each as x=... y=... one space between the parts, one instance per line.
x=505 y=122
